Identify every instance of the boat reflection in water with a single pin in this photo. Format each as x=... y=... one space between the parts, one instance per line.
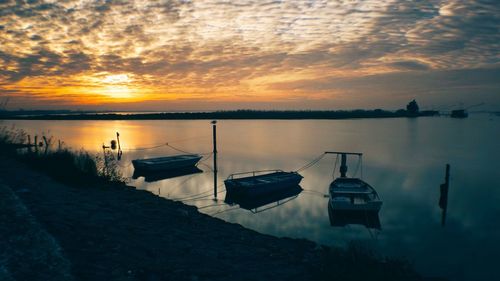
x=353 y=201
x=152 y=176
x=263 y=201
x=346 y=217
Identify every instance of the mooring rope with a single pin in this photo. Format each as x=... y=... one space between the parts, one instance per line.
x=191 y=196
x=207 y=166
x=182 y=182
x=206 y=157
x=198 y=195
x=224 y=211
x=210 y=206
x=178 y=149
x=311 y=163
x=314 y=192
x=164 y=144
x=335 y=166
x=202 y=197
x=357 y=169
x=144 y=148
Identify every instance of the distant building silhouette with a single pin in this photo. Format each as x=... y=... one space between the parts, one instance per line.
x=412 y=108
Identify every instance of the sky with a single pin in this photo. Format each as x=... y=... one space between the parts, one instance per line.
x=208 y=55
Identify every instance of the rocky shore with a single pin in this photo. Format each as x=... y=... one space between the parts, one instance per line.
x=52 y=231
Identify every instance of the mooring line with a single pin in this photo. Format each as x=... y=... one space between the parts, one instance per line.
x=314 y=192
x=182 y=182
x=144 y=148
x=201 y=197
x=311 y=163
x=226 y=210
x=198 y=195
x=209 y=206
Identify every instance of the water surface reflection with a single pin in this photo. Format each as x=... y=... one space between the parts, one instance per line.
x=403 y=160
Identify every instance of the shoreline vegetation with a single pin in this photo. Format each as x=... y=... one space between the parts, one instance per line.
x=68 y=217
x=221 y=115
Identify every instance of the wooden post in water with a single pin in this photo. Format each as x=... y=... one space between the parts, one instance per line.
x=214 y=132
x=36 y=143
x=29 y=144
x=119 y=154
x=46 y=144
x=105 y=168
x=443 y=199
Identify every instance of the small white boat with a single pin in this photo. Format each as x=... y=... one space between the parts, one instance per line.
x=353 y=194
x=167 y=163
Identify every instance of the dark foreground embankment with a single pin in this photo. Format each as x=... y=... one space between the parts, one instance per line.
x=119 y=233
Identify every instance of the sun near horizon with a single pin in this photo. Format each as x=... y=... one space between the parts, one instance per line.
x=156 y=55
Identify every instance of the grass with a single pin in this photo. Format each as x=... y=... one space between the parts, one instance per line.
x=61 y=163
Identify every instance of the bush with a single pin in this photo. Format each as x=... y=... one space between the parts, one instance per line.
x=63 y=164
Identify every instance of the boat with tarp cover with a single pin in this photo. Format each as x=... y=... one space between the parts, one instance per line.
x=174 y=162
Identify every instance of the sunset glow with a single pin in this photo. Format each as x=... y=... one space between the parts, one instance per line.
x=244 y=54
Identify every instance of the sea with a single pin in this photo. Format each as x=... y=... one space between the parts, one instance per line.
x=403 y=159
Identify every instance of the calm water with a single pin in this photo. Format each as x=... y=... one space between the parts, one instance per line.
x=404 y=159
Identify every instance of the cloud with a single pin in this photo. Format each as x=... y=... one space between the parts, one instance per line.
x=247 y=47
x=410 y=65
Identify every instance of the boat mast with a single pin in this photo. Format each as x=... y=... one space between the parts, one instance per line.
x=343 y=160
x=343 y=165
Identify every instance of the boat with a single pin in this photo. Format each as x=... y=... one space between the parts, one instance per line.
x=167 y=163
x=459 y=113
x=261 y=182
x=353 y=194
x=263 y=202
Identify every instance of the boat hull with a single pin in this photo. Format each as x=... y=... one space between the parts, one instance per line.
x=459 y=113
x=261 y=185
x=253 y=203
x=353 y=194
x=166 y=163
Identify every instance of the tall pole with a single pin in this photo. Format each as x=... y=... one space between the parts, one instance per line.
x=214 y=132
x=119 y=146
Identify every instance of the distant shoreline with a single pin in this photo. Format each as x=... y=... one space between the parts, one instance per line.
x=236 y=115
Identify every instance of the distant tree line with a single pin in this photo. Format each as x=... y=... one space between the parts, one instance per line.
x=234 y=114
